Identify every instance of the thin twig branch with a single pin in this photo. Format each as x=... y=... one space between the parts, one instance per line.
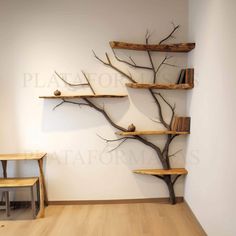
x=59 y=104
x=68 y=83
x=159 y=177
x=110 y=140
x=148 y=35
x=113 y=149
x=175 y=179
x=170 y=106
x=109 y=63
x=174 y=154
x=132 y=63
x=89 y=84
x=155 y=120
x=159 y=109
x=164 y=63
x=171 y=33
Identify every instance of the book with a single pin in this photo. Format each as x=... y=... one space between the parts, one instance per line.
x=189 y=76
x=181 y=77
x=175 y=124
x=181 y=124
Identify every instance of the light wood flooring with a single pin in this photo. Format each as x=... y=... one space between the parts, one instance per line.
x=138 y=219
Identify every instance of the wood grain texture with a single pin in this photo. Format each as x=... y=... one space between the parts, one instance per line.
x=160 y=86
x=151 y=132
x=174 y=171
x=85 y=96
x=141 y=219
x=180 y=47
x=17 y=182
x=22 y=156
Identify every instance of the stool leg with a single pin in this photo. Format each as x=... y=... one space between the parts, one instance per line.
x=7 y=203
x=38 y=194
x=33 y=202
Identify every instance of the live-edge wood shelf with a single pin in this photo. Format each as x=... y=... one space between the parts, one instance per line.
x=179 y=47
x=160 y=86
x=174 y=171
x=152 y=132
x=85 y=96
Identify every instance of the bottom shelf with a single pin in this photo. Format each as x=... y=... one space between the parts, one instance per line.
x=174 y=171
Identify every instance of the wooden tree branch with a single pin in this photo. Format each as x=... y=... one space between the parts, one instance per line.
x=170 y=106
x=159 y=177
x=159 y=109
x=113 y=149
x=174 y=154
x=148 y=35
x=68 y=83
x=89 y=84
x=171 y=33
x=164 y=63
x=104 y=113
x=175 y=179
x=110 y=140
x=109 y=63
x=132 y=63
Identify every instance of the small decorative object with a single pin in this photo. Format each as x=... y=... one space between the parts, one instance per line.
x=57 y=93
x=131 y=128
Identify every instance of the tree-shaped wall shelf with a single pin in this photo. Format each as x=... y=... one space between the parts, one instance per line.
x=174 y=126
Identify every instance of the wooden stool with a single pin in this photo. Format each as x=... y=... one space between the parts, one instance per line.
x=7 y=184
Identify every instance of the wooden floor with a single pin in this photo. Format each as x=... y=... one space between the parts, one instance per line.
x=139 y=219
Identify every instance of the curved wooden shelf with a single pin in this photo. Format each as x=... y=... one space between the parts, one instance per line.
x=174 y=171
x=179 y=47
x=85 y=96
x=151 y=132
x=160 y=86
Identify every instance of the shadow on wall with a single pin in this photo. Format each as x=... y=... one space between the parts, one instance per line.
x=73 y=117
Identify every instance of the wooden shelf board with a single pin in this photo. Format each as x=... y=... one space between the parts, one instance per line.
x=160 y=86
x=174 y=171
x=85 y=96
x=180 y=47
x=151 y=132
x=22 y=156
x=17 y=182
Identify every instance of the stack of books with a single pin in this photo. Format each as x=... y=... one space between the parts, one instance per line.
x=181 y=124
x=186 y=76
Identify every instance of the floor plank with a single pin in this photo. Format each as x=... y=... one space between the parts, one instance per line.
x=139 y=219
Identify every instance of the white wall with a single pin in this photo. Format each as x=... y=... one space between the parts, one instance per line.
x=38 y=37
x=210 y=186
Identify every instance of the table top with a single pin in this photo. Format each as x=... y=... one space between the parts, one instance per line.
x=22 y=156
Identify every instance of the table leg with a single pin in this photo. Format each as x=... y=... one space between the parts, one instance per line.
x=41 y=187
x=4 y=168
x=44 y=183
x=7 y=199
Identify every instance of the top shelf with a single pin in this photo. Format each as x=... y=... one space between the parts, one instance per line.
x=84 y=96
x=160 y=86
x=179 y=47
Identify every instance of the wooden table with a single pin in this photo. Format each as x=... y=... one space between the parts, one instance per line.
x=29 y=156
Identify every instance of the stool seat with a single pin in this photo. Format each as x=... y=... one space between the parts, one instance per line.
x=7 y=184
x=17 y=182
